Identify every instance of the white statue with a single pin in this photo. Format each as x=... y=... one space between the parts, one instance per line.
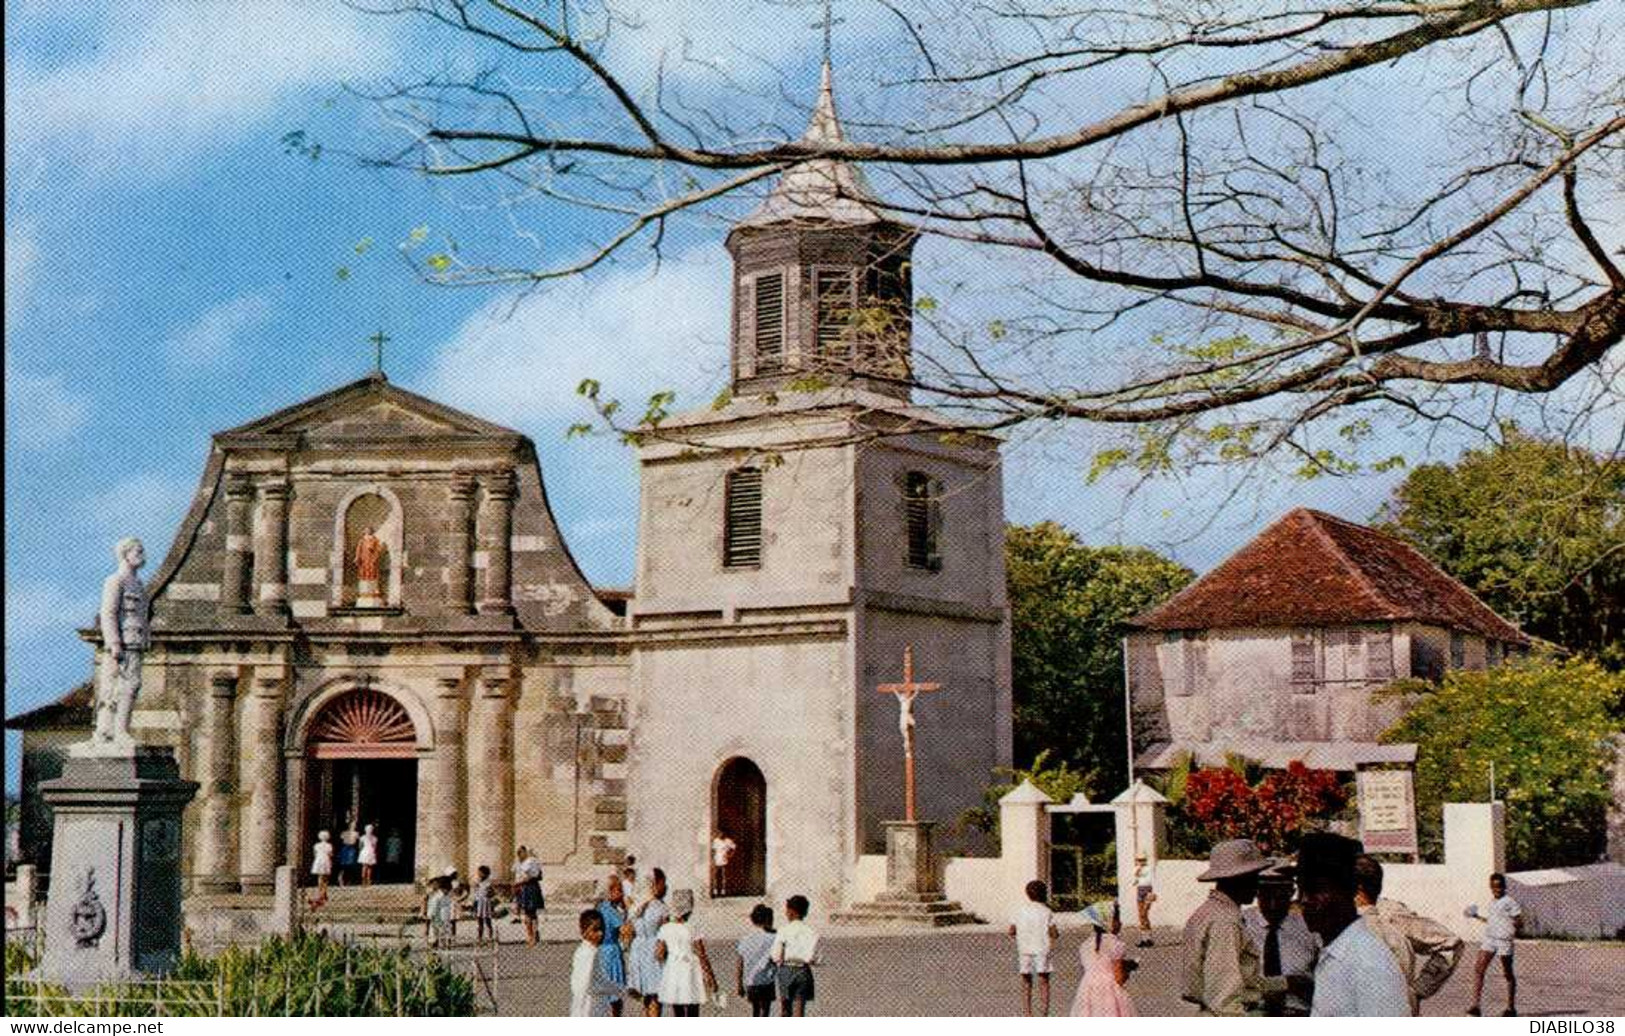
x=125 y=615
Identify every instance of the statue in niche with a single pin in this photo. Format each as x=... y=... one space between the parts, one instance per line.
x=369 y=555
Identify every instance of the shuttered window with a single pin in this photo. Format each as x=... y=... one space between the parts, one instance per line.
x=1195 y=663
x=769 y=323
x=919 y=521
x=1305 y=670
x=1458 y=650
x=836 y=304
x=742 y=522
x=1379 y=654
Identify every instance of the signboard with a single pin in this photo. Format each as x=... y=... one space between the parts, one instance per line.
x=1387 y=811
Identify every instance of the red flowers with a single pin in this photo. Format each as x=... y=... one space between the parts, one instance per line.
x=1273 y=813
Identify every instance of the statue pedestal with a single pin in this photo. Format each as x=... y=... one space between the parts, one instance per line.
x=366 y=594
x=913 y=896
x=114 y=908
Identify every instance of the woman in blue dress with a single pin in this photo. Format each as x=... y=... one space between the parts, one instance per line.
x=613 y=909
x=643 y=971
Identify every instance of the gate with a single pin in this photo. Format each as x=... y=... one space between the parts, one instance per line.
x=1083 y=854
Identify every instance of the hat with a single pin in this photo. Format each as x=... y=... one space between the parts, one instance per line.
x=449 y=872
x=1140 y=857
x=1099 y=914
x=682 y=902
x=1234 y=859
x=1281 y=869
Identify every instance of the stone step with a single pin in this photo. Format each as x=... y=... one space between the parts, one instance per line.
x=905 y=911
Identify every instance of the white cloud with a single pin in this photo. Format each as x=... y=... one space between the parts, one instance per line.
x=37 y=609
x=41 y=410
x=210 y=338
x=146 y=505
x=22 y=262
x=161 y=82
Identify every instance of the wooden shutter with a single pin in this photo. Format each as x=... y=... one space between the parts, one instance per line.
x=919 y=521
x=1195 y=663
x=836 y=305
x=769 y=323
x=1379 y=654
x=742 y=521
x=1305 y=671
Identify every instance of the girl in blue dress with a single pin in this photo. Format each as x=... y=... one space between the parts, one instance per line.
x=643 y=971
x=613 y=909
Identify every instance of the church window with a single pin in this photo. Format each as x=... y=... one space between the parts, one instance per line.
x=1458 y=650
x=769 y=322
x=920 y=522
x=1305 y=662
x=1379 y=654
x=742 y=523
x=837 y=304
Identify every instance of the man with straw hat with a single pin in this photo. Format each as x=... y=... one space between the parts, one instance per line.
x=1221 y=965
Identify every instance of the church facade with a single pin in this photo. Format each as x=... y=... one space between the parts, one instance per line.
x=369 y=612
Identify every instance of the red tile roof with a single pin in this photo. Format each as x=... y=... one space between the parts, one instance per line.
x=1312 y=569
x=71 y=710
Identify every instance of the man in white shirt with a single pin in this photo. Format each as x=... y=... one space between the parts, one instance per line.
x=1357 y=975
x=1034 y=930
x=1287 y=949
x=1502 y=919
x=722 y=852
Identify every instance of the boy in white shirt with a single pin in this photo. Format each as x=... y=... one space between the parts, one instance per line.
x=1034 y=931
x=590 y=988
x=795 y=951
x=1502 y=919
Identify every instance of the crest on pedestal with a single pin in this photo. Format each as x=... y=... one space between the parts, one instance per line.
x=88 y=920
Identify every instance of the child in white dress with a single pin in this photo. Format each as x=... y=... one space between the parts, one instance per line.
x=686 y=978
x=590 y=987
x=322 y=866
x=368 y=857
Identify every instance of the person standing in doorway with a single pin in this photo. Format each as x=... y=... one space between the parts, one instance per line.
x=1502 y=920
x=349 y=849
x=368 y=856
x=722 y=853
x=1145 y=893
x=1357 y=976
x=1033 y=928
x=527 y=891
x=394 y=850
x=1427 y=952
x=1287 y=950
x=1220 y=963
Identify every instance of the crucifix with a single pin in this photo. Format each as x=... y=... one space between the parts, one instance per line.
x=378 y=338
x=905 y=692
x=827 y=23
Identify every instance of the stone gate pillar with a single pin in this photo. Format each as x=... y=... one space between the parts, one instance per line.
x=444 y=821
x=215 y=864
x=490 y=769
x=260 y=829
x=1141 y=828
x=496 y=535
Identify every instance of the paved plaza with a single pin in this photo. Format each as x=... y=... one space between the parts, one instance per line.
x=970 y=971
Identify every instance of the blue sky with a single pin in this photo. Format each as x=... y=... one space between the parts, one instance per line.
x=171 y=270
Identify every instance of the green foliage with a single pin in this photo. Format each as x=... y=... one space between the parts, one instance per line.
x=1534 y=528
x=309 y=975
x=1547 y=729
x=1059 y=781
x=1069 y=606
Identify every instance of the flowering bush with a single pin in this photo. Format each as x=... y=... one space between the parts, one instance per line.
x=1273 y=813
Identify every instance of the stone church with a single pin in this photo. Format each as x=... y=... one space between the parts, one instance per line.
x=480 y=693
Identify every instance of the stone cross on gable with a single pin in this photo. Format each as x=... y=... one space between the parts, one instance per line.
x=906 y=692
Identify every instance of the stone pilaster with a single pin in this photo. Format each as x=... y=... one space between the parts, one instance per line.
x=443 y=818
x=496 y=536
x=271 y=549
x=260 y=829
x=234 y=584
x=490 y=769
x=215 y=862
x=460 y=545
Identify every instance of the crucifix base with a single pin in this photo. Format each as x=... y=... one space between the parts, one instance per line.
x=913 y=896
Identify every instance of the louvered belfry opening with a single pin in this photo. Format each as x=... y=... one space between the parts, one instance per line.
x=769 y=322
x=917 y=520
x=837 y=306
x=742 y=532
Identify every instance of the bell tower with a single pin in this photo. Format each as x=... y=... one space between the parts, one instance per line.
x=822 y=286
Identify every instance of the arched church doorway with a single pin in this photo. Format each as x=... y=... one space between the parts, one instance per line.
x=361 y=765
x=740 y=816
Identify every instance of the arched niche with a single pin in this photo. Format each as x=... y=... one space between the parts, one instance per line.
x=376 y=507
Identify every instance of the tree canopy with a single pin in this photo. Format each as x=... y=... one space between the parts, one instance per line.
x=1235 y=228
x=1069 y=605
x=1535 y=528
x=1547 y=728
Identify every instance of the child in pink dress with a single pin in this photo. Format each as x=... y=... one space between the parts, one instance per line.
x=1101 y=993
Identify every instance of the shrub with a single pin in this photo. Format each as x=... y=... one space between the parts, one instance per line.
x=1274 y=812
